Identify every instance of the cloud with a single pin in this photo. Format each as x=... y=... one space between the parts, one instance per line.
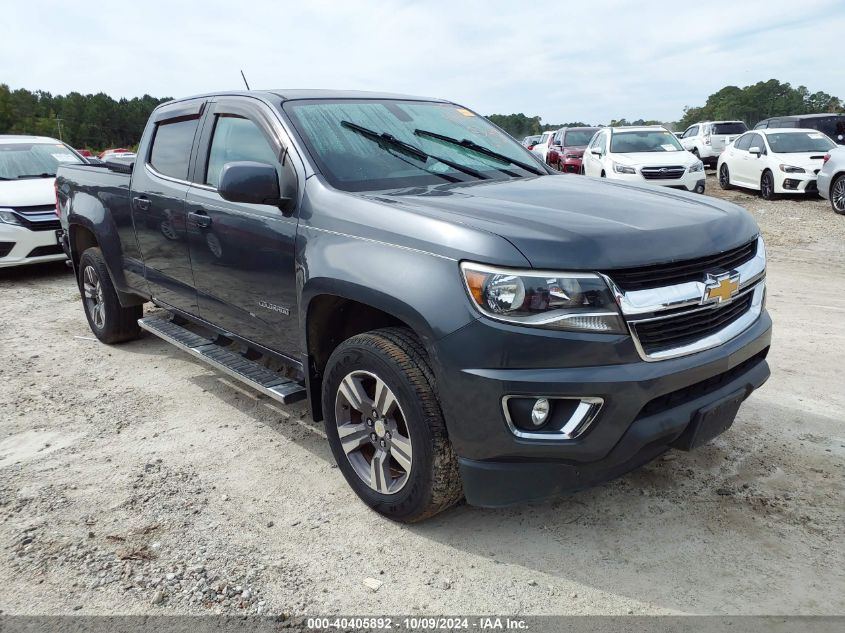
x=604 y=60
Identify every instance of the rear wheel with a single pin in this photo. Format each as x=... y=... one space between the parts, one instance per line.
x=837 y=195
x=109 y=321
x=767 y=185
x=385 y=426
x=725 y=177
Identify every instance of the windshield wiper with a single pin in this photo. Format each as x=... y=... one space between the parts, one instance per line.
x=386 y=140
x=486 y=151
x=43 y=175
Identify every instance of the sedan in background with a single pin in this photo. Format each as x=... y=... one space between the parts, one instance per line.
x=530 y=141
x=649 y=155
x=775 y=161
x=542 y=147
x=831 y=179
x=567 y=148
x=29 y=228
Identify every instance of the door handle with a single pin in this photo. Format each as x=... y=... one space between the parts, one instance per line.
x=142 y=204
x=200 y=218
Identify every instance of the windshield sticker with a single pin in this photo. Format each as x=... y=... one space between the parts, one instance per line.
x=465 y=112
x=65 y=158
x=669 y=148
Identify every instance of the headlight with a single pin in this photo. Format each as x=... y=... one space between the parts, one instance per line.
x=7 y=216
x=560 y=301
x=789 y=169
x=623 y=169
x=699 y=166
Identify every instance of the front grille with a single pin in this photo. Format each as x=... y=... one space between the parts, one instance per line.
x=688 y=327
x=40 y=217
x=43 y=251
x=672 y=273
x=6 y=248
x=663 y=173
x=700 y=389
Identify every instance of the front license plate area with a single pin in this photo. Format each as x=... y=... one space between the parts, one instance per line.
x=710 y=421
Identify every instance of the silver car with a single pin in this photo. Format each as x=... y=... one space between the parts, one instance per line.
x=831 y=180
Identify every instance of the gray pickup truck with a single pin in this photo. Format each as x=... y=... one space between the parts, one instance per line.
x=466 y=322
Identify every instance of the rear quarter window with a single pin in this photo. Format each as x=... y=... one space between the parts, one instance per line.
x=171 y=150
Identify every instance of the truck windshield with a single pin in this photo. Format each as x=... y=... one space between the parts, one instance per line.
x=797 y=142
x=19 y=161
x=644 y=141
x=383 y=156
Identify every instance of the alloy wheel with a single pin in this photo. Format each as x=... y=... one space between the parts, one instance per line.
x=766 y=186
x=724 y=179
x=92 y=289
x=373 y=432
x=837 y=195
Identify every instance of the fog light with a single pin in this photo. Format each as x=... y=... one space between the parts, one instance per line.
x=540 y=412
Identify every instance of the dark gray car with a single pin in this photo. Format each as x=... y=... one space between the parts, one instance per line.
x=467 y=322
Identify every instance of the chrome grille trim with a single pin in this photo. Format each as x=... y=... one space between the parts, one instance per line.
x=654 y=304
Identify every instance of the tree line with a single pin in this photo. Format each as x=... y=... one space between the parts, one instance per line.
x=97 y=121
x=92 y=121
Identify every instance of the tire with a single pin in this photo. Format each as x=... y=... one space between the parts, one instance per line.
x=583 y=171
x=725 y=178
x=837 y=194
x=422 y=476
x=767 y=185
x=109 y=321
x=603 y=175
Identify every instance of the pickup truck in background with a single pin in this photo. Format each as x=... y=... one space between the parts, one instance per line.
x=465 y=320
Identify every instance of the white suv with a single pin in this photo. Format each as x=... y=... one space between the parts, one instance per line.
x=28 y=223
x=708 y=139
x=650 y=155
x=542 y=147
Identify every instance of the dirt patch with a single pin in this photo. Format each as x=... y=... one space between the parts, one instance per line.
x=166 y=488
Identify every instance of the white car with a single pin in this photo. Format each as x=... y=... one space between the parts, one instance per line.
x=775 y=161
x=708 y=139
x=542 y=148
x=28 y=223
x=651 y=155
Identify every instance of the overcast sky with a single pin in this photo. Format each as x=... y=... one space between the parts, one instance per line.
x=565 y=61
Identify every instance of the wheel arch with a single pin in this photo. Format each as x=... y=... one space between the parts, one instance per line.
x=331 y=317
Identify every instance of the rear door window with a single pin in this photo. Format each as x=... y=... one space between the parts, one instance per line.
x=170 y=154
x=743 y=142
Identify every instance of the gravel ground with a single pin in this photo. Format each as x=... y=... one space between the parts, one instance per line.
x=136 y=480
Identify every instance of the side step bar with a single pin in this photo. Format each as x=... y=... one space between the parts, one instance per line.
x=249 y=372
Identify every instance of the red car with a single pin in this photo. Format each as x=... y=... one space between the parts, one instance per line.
x=109 y=152
x=84 y=152
x=567 y=148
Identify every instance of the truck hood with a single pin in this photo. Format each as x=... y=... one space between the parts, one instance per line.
x=574 y=222
x=27 y=193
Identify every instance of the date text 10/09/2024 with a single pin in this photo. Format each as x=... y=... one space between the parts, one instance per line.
x=418 y=623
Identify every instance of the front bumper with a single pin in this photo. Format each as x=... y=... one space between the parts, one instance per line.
x=19 y=246
x=796 y=183
x=647 y=405
x=690 y=181
x=571 y=165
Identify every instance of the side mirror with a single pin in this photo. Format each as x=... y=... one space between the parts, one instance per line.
x=596 y=151
x=250 y=182
x=755 y=150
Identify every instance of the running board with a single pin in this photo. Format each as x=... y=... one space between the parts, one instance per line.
x=249 y=372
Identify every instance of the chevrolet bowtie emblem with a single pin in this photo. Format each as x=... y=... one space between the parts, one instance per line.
x=720 y=288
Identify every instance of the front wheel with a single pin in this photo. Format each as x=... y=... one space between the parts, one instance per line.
x=109 y=321
x=837 y=195
x=767 y=185
x=725 y=177
x=385 y=426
